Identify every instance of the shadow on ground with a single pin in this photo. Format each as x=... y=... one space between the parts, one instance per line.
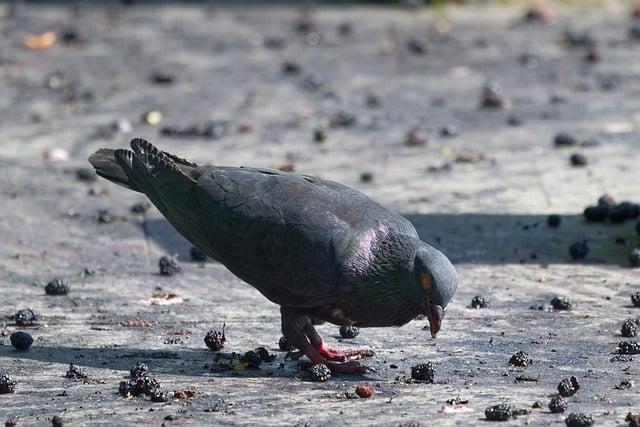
x=474 y=238
x=181 y=361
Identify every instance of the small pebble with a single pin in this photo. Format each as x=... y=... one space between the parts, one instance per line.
x=578 y=159
x=579 y=250
x=564 y=140
x=553 y=220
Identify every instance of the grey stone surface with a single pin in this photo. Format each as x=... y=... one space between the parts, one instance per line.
x=488 y=215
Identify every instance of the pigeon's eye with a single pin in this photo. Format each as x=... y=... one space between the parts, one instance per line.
x=425 y=279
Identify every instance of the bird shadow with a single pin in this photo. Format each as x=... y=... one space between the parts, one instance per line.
x=479 y=238
x=183 y=361
x=180 y=362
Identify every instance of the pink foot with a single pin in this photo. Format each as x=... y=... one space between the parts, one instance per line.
x=351 y=367
x=338 y=355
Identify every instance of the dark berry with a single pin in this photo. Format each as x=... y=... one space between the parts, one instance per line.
x=564 y=140
x=501 y=412
x=26 y=317
x=285 y=345
x=138 y=371
x=416 y=46
x=568 y=387
x=291 y=68
x=264 y=354
x=140 y=208
x=57 y=286
x=169 y=265
x=215 y=340
x=85 y=175
x=607 y=201
x=629 y=347
x=480 y=301
x=520 y=358
x=423 y=372
x=415 y=137
x=561 y=303
x=320 y=373
x=557 y=405
x=343 y=119
x=579 y=250
x=11 y=422
x=197 y=254
x=492 y=95
x=578 y=159
x=128 y=389
x=160 y=77
x=596 y=213
x=578 y=420
x=56 y=421
x=554 y=220
x=629 y=328
x=365 y=391
x=449 y=131
x=7 y=384
x=634 y=257
x=349 y=331
x=252 y=358
x=319 y=136
x=633 y=419
x=366 y=177
x=146 y=385
x=104 y=216
x=158 y=395
x=75 y=373
x=21 y=340
x=638 y=227
x=635 y=299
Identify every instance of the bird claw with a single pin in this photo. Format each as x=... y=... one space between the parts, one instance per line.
x=337 y=355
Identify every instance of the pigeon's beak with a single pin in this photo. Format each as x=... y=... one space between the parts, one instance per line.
x=436 y=314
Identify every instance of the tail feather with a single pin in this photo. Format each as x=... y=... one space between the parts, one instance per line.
x=108 y=165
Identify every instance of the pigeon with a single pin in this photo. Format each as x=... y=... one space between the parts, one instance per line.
x=317 y=248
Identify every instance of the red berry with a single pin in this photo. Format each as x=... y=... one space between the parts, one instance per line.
x=365 y=391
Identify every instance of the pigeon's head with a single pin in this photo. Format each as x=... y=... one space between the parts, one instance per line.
x=437 y=282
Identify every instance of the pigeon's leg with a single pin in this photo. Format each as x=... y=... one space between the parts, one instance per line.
x=333 y=353
x=294 y=326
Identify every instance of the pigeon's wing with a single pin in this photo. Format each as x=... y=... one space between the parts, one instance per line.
x=285 y=234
